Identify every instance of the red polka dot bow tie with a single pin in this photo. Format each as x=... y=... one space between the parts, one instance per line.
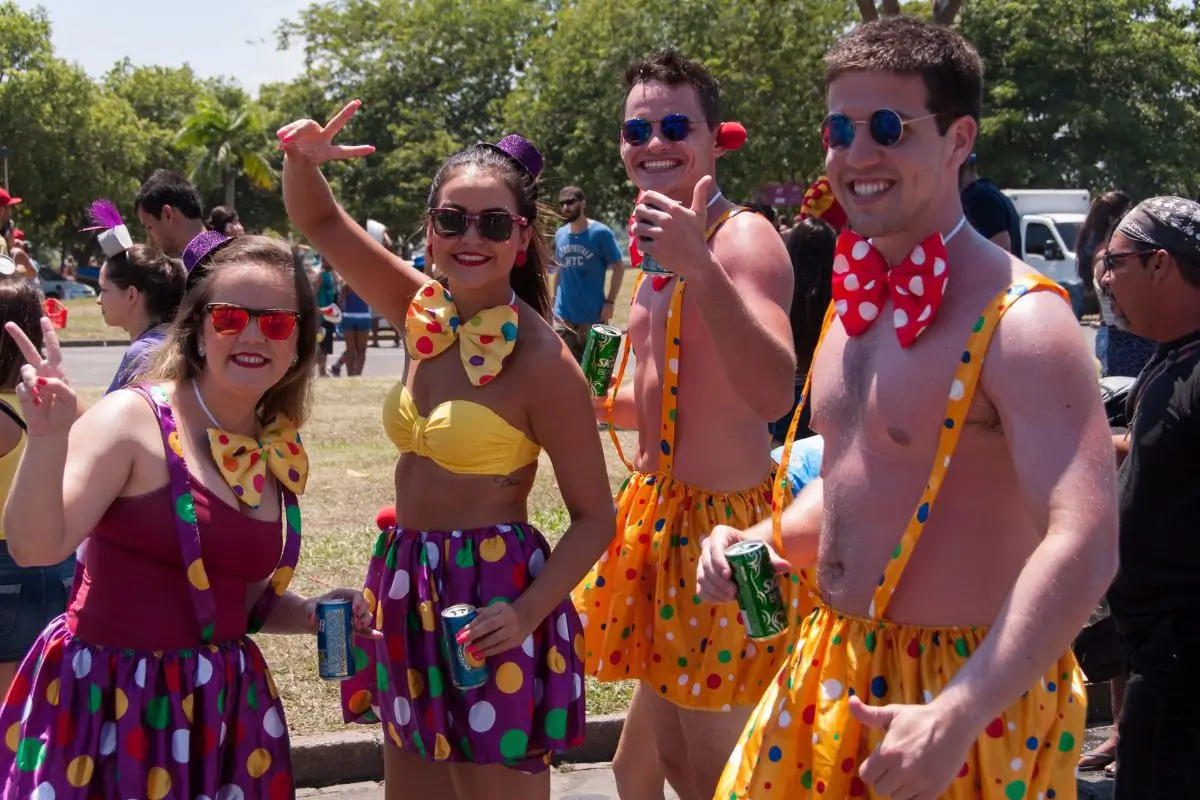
x=863 y=283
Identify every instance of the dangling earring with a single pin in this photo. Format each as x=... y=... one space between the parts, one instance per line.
x=295 y=359
x=521 y=258
x=200 y=348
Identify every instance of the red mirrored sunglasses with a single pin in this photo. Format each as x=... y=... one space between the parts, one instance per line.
x=277 y=324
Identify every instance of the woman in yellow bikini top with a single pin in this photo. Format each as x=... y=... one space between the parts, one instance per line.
x=489 y=386
x=460 y=436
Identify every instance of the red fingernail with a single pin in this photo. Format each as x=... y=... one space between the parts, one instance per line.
x=462 y=637
x=42 y=381
x=288 y=138
x=474 y=651
x=36 y=401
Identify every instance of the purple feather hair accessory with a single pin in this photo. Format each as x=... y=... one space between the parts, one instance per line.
x=104 y=214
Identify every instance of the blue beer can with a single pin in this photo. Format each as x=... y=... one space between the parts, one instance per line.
x=466 y=671
x=335 y=629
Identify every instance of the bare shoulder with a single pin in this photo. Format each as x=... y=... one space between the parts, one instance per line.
x=119 y=417
x=1039 y=346
x=543 y=352
x=749 y=241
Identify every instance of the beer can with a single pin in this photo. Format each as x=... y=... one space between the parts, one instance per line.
x=758 y=594
x=466 y=671
x=600 y=357
x=335 y=629
x=649 y=264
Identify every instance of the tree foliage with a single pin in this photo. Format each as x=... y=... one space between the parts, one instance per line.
x=1096 y=95
x=229 y=142
x=433 y=77
x=767 y=57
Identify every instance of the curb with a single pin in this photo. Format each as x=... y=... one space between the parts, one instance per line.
x=94 y=343
x=356 y=756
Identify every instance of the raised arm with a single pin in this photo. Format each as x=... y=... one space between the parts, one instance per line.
x=70 y=472
x=380 y=277
x=1040 y=378
x=743 y=287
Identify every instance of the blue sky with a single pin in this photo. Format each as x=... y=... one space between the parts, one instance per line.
x=216 y=37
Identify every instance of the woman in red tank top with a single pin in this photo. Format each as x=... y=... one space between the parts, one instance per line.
x=186 y=486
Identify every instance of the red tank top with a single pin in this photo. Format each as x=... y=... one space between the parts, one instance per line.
x=134 y=593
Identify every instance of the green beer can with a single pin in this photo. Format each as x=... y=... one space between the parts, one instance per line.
x=758 y=592
x=600 y=357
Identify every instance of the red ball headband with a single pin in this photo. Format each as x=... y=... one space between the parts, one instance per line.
x=731 y=135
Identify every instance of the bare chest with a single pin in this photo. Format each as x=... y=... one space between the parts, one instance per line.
x=653 y=331
x=870 y=389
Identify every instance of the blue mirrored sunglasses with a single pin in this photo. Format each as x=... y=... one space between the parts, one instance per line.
x=675 y=128
x=885 y=126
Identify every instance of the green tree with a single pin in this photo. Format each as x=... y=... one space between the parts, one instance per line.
x=70 y=142
x=161 y=98
x=24 y=39
x=1098 y=95
x=433 y=77
x=232 y=142
x=767 y=57
x=942 y=12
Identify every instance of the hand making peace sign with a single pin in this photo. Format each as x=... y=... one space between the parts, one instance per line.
x=309 y=141
x=48 y=402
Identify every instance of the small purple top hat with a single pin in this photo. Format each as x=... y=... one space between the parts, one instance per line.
x=521 y=150
x=201 y=246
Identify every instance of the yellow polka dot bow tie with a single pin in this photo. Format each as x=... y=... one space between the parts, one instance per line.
x=244 y=460
x=485 y=340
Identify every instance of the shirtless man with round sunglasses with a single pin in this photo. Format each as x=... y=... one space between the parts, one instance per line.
x=965 y=522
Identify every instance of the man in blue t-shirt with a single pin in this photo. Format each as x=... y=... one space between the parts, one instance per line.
x=583 y=251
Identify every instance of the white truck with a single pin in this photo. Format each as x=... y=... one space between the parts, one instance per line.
x=1050 y=222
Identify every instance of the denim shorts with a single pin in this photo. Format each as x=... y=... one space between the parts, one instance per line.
x=29 y=598
x=356 y=324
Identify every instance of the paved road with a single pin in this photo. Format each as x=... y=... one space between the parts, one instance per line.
x=95 y=366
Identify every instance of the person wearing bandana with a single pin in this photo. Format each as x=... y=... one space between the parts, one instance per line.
x=1152 y=277
x=963 y=528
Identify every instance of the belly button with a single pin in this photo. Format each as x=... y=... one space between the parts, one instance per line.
x=899 y=437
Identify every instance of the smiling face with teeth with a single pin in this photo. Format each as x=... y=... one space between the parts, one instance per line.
x=472 y=260
x=248 y=362
x=660 y=165
x=905 y=192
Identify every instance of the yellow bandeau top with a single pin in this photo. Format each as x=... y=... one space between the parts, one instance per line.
x=460 y=436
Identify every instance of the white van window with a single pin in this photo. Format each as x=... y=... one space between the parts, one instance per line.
x=1037 y=236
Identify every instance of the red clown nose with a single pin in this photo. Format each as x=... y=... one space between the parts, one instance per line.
x=386 y=518
x=731 y=135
